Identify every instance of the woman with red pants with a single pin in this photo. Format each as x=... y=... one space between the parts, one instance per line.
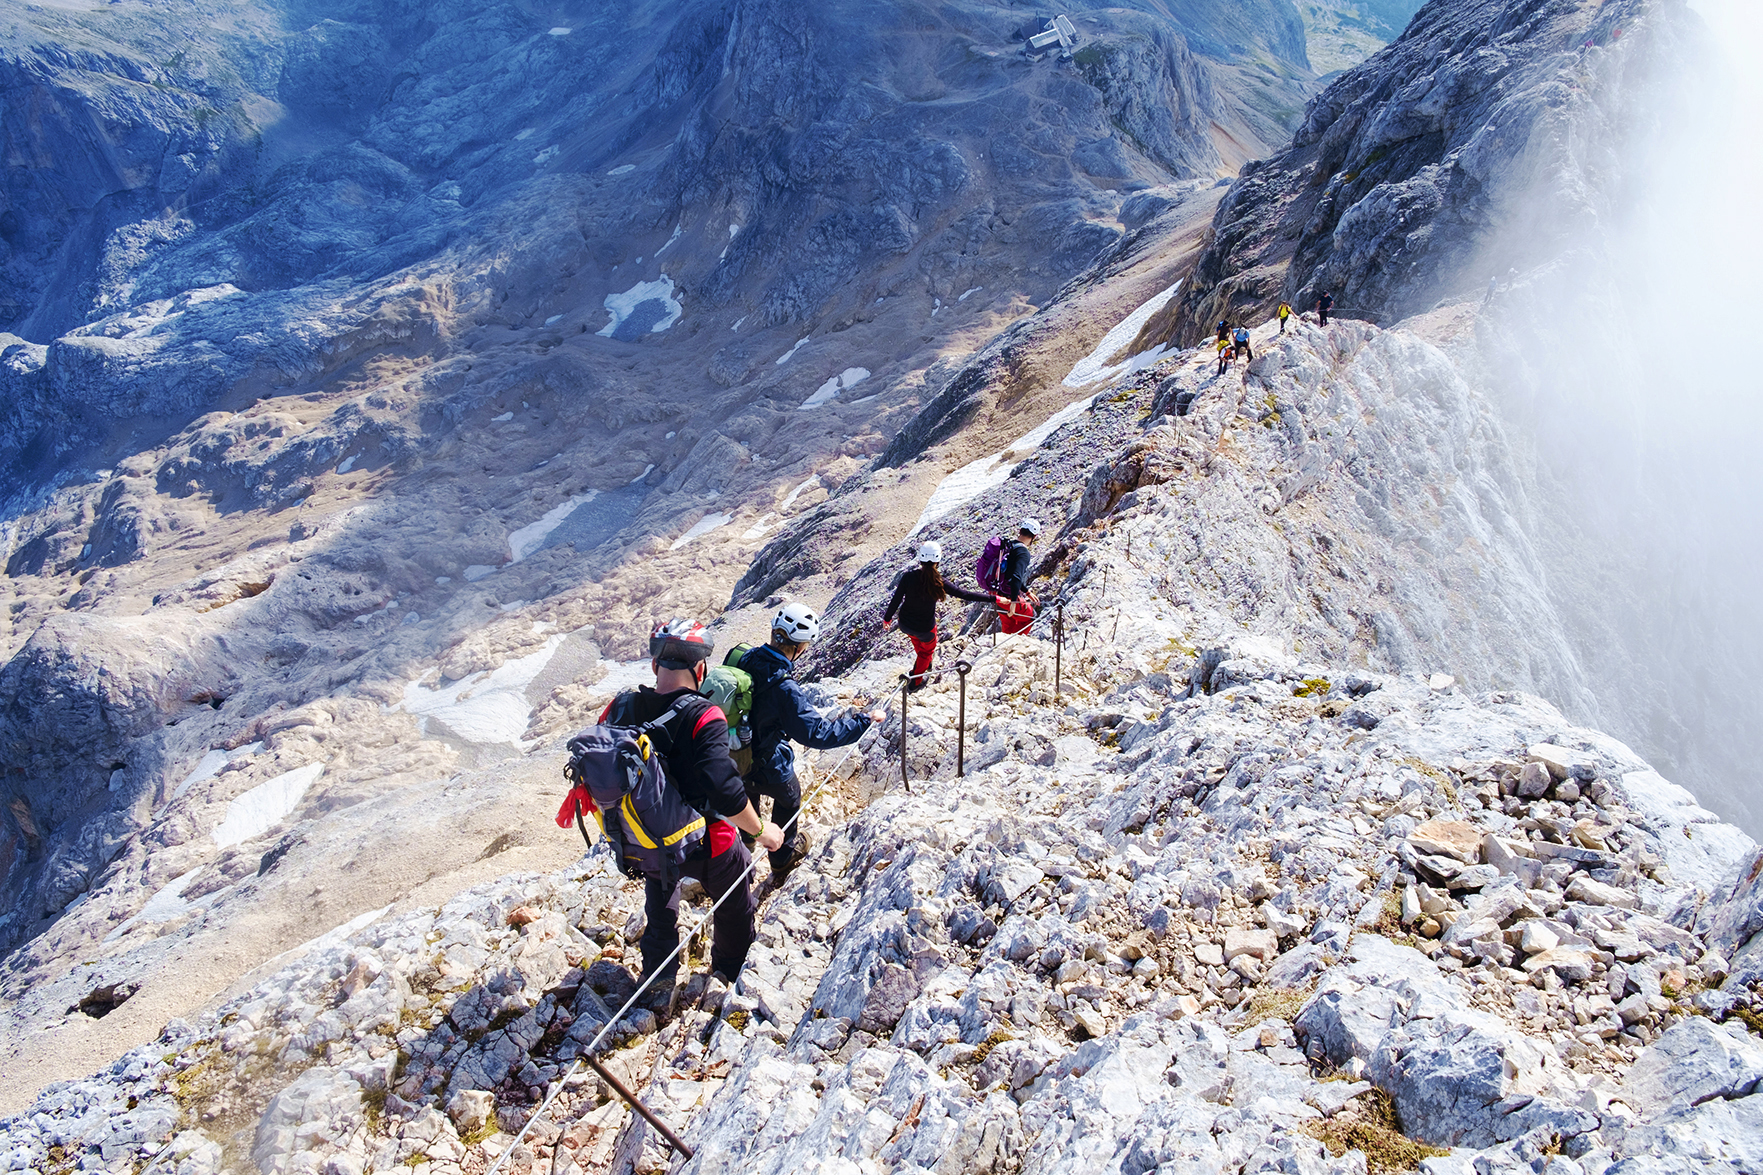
x=916 y=595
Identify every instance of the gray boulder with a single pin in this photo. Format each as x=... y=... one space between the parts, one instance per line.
x=1459 y=1077
x=1451 y=1080
x=1716 y=1138
x=1691 y=1063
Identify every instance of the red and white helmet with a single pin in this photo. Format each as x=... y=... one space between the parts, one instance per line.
x=680 y=644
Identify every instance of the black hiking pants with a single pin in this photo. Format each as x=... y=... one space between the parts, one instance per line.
x=732 y=930
x=786 y=802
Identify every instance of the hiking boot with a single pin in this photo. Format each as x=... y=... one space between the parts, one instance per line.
x=791 y=856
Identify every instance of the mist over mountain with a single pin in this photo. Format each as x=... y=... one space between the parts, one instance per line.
x=1549 y=150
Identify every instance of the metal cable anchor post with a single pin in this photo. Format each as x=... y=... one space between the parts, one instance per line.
x=1058 y=643
x=962 y=669
x=636 y=1103
x=905 y=696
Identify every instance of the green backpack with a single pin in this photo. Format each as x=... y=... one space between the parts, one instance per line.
x=732 y=691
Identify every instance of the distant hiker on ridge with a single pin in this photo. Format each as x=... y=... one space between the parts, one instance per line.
x=1240 y=342
x=1324 y=303
x=691 y=737
x=917 y=593
x=781 y=712
x=1285 y=312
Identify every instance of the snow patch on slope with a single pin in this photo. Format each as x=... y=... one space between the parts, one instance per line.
x=531 y=537
x=1094 y=366
x=976 y=477
x=790 y=499
x=211 y=764
x=489 y=708
x=849 y=378
x=623 y=306
x=700 y=528
x=265 y=806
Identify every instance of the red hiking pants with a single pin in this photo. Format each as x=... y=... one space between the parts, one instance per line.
x=923 y=647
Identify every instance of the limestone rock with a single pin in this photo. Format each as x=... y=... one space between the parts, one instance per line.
x=470 y=1109
x=1538 y=938
x=1452 y=838
x=1534 y=780
x=1584 y=889
x=1259 y=944
x=1573 y=966
x=1691 y=1063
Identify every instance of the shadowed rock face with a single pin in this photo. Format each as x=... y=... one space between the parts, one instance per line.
x=1480 y=117
x=279 y=161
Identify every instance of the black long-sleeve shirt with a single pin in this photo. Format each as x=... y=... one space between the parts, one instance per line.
x=917 y=603
x=1018 y=570
x=697 y=762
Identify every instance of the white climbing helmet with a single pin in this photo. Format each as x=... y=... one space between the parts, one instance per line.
x=1031 y=526
x=930 y=551
x=796 y=623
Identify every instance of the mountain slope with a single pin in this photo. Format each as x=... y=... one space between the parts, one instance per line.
x=1192 y=911
x=379 y=372
x=1487 y=137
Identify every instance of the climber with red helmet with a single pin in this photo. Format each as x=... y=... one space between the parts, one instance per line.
x=697 y=763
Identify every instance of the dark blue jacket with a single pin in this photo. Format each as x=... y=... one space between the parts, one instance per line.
x=781 y=712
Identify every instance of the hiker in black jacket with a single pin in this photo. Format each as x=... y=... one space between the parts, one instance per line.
x=1018 y=562
x=917 y=593
x=1019 y=613
x=698 y=766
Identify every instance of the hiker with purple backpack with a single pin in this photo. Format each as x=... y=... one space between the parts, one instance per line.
x=1005 y=567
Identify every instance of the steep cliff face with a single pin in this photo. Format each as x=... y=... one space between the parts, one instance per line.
x=1487 y=137
x=1529 y=158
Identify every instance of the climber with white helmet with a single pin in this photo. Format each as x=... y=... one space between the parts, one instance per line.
x=917 y=592
x=782 y=712
x=1016 y=603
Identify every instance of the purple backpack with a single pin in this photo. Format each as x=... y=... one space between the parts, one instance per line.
x=989 y=571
